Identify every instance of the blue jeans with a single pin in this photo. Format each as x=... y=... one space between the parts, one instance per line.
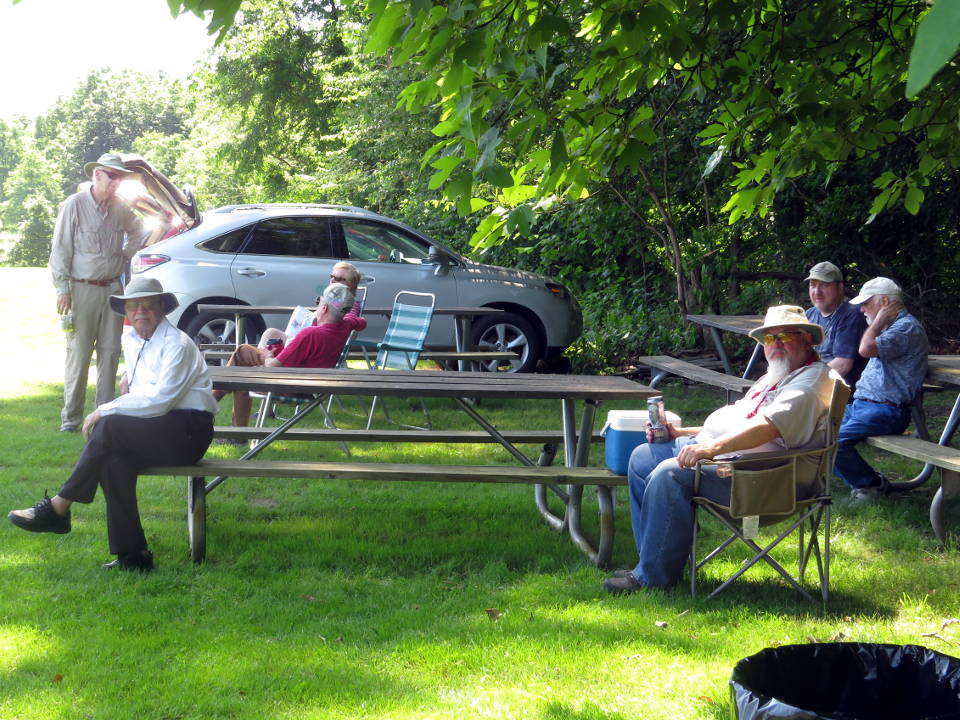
x=661 y=509
x=862 y=419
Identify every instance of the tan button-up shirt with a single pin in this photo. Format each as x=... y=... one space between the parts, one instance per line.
x=88 y=243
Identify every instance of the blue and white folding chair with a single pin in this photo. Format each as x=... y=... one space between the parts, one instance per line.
x=403 y=342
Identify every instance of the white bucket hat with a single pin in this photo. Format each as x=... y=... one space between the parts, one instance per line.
x=877 y=286
x=787 y=316
x=143 y=287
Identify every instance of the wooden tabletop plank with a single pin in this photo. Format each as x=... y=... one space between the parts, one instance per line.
x=740 y=324
x=944 y=369
x=424 y=383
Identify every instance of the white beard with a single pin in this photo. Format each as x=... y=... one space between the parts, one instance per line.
x=777 y=370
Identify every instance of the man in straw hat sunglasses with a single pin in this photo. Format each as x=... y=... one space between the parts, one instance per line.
x=95 y=236
x=786 y=408
x=165 y=418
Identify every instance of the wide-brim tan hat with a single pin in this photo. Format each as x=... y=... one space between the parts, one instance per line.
x=111 y=161
x=781 y=316
x=141 y=287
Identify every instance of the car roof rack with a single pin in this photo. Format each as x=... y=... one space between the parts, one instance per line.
x=293 y=206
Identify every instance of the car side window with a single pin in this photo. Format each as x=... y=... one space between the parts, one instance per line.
x=295 y=236
x=374 y=242
x=227 y=243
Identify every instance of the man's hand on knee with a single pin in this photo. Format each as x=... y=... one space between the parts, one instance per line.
x=89 y=422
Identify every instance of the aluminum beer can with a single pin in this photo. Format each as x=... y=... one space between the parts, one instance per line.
x=276 y=345
x=657 y=417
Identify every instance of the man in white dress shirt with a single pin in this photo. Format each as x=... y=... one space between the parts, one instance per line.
x=165 y=418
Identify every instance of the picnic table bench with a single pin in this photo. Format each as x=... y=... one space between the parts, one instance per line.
x=197 y=486
x=942 y=370
x=673 y=366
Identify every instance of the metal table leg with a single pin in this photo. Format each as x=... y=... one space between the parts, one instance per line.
x=715 y=334
x=197 y=518
x=602 y=553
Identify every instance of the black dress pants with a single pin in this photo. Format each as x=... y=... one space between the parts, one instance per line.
x=119 y=447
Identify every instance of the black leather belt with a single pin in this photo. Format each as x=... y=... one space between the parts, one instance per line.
x=100 y=283
x=890 y=404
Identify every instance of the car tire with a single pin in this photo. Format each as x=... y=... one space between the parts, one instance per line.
x=507 y=331
x=208 y=328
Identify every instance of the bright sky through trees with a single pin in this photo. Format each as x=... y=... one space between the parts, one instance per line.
x=48 y=46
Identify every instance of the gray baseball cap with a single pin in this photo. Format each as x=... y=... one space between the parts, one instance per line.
x=825 y=272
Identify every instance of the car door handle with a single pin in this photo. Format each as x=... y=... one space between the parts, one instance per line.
x=251 y=272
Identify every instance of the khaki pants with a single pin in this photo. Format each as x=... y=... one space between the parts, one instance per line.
x=96 y=327
x=243 y=356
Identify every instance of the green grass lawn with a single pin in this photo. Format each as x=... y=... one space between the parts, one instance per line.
x=331 y=599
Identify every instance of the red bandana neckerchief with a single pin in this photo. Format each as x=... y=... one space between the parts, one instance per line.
x=762 y=394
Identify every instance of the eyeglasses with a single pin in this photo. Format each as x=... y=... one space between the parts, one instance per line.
x=338 y=279
x=785 y=337
x=144 y=304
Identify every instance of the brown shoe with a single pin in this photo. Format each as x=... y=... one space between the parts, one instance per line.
x=622 y=585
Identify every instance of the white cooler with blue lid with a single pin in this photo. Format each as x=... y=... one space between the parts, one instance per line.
x=625 y=429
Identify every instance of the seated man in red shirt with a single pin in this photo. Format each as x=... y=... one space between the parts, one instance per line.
x=317 y=346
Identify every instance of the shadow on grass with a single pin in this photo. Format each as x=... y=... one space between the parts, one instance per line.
x=353 y=599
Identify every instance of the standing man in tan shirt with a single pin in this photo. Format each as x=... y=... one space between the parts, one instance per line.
x=95 y=236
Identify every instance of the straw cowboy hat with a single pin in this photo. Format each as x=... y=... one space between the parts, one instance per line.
x=782 y=316
x=141 y=287
x=111 y=161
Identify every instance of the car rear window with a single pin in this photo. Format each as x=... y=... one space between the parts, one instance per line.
x=297 y=236
x=227 y=243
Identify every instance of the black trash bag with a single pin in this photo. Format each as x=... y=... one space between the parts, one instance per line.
x=847 y=681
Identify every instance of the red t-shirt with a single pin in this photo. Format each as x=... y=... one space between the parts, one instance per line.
x=319 y=346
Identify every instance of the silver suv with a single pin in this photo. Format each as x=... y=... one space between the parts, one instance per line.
x=282 y=254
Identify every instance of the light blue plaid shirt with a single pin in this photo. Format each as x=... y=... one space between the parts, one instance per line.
x=897 y=373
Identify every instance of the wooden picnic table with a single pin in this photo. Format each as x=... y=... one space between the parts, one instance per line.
x=589 y=390
x=463 y=319
x=738 y=324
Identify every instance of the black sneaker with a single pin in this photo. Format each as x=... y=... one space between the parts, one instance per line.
x=622 y=585
x=142 y=562
x=41 y=518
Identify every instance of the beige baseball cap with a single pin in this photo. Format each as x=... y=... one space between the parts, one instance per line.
x=877 y=286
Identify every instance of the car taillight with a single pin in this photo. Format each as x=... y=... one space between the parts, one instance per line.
x=139 y=263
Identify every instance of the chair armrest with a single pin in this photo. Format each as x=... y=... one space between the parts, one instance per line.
x=364 y=343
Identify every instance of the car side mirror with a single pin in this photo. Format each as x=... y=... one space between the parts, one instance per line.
x=437 y=257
